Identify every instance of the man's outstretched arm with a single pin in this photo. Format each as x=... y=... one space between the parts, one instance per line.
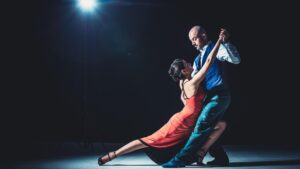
x=228 y=52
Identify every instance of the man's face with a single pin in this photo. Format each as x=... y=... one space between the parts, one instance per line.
x=198 y=39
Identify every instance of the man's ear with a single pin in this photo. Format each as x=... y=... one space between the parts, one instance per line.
x=204 y=36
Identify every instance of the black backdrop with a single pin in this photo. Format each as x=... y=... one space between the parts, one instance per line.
x=103 y=77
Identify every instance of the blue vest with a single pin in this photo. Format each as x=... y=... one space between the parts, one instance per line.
x=213 y=77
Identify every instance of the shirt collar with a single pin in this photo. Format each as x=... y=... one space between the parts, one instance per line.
x=204 y=47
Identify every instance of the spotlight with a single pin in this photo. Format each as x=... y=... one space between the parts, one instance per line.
x=87 y=5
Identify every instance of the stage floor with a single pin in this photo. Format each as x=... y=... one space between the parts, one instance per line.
x=240 y=157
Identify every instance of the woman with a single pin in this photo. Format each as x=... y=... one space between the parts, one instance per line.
x=164 y=143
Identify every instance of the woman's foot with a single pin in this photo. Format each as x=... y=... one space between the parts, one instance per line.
x=108 y=157
x=200 y=156
x=223 y=161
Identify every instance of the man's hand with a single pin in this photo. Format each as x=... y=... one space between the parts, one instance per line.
x=224 y=35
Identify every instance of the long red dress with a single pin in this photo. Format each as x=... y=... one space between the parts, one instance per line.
x=180 y=125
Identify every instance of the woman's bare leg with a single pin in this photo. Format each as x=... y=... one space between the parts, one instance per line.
x=130 y=147
x=214 y=136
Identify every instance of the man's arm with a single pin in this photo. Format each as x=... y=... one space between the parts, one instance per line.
x=229 y=53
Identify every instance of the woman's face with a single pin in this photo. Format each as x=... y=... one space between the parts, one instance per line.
x=188 y=68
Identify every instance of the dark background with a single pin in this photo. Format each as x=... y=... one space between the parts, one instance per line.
x=103 y=77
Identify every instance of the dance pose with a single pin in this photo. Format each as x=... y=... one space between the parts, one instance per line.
x=176 y=131
x=216 y=102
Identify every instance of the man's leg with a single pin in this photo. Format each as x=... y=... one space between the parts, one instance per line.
x=218 y=152
x=213 y=137
x=210 y=113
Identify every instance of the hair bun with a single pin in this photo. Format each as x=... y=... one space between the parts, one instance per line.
x=175 y=70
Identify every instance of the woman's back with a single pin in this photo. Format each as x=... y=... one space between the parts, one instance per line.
x=180 y=125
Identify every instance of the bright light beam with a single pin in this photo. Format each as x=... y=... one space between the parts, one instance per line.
x=87 y=5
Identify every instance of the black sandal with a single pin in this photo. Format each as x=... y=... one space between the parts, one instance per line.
x=200 y=157
x=101 y=162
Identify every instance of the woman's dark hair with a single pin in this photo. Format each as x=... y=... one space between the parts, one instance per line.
x=175 y=70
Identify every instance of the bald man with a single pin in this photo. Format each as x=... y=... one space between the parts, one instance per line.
x=216 y=102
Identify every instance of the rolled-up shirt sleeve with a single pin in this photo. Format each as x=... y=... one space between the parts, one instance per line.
x=228 y=52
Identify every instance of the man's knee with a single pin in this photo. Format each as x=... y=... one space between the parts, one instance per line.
x=201 y=127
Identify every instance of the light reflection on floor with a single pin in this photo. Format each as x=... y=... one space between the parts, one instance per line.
x=240 y=157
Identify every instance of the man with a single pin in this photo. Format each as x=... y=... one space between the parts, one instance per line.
x=216 y=102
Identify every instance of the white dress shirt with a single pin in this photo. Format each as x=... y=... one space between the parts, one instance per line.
x=227 y=52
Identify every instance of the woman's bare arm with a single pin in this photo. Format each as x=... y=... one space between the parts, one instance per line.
x=182 y=99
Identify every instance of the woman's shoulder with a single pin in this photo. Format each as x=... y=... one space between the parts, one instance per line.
x=183 y=84
x=180 y=84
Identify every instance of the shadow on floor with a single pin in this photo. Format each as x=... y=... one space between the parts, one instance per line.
x=265 y=163
x=233 y=164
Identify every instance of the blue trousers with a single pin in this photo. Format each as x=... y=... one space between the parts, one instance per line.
x=215 y=104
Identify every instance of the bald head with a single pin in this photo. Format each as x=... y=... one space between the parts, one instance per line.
x=198 y=37
x=197 y=29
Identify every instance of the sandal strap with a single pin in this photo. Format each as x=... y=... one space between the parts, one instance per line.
x=202 y=153
x=100 y=161
x=109 y=159
x=115 y=154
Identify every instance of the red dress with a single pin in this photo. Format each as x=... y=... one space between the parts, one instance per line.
x=180 y=125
